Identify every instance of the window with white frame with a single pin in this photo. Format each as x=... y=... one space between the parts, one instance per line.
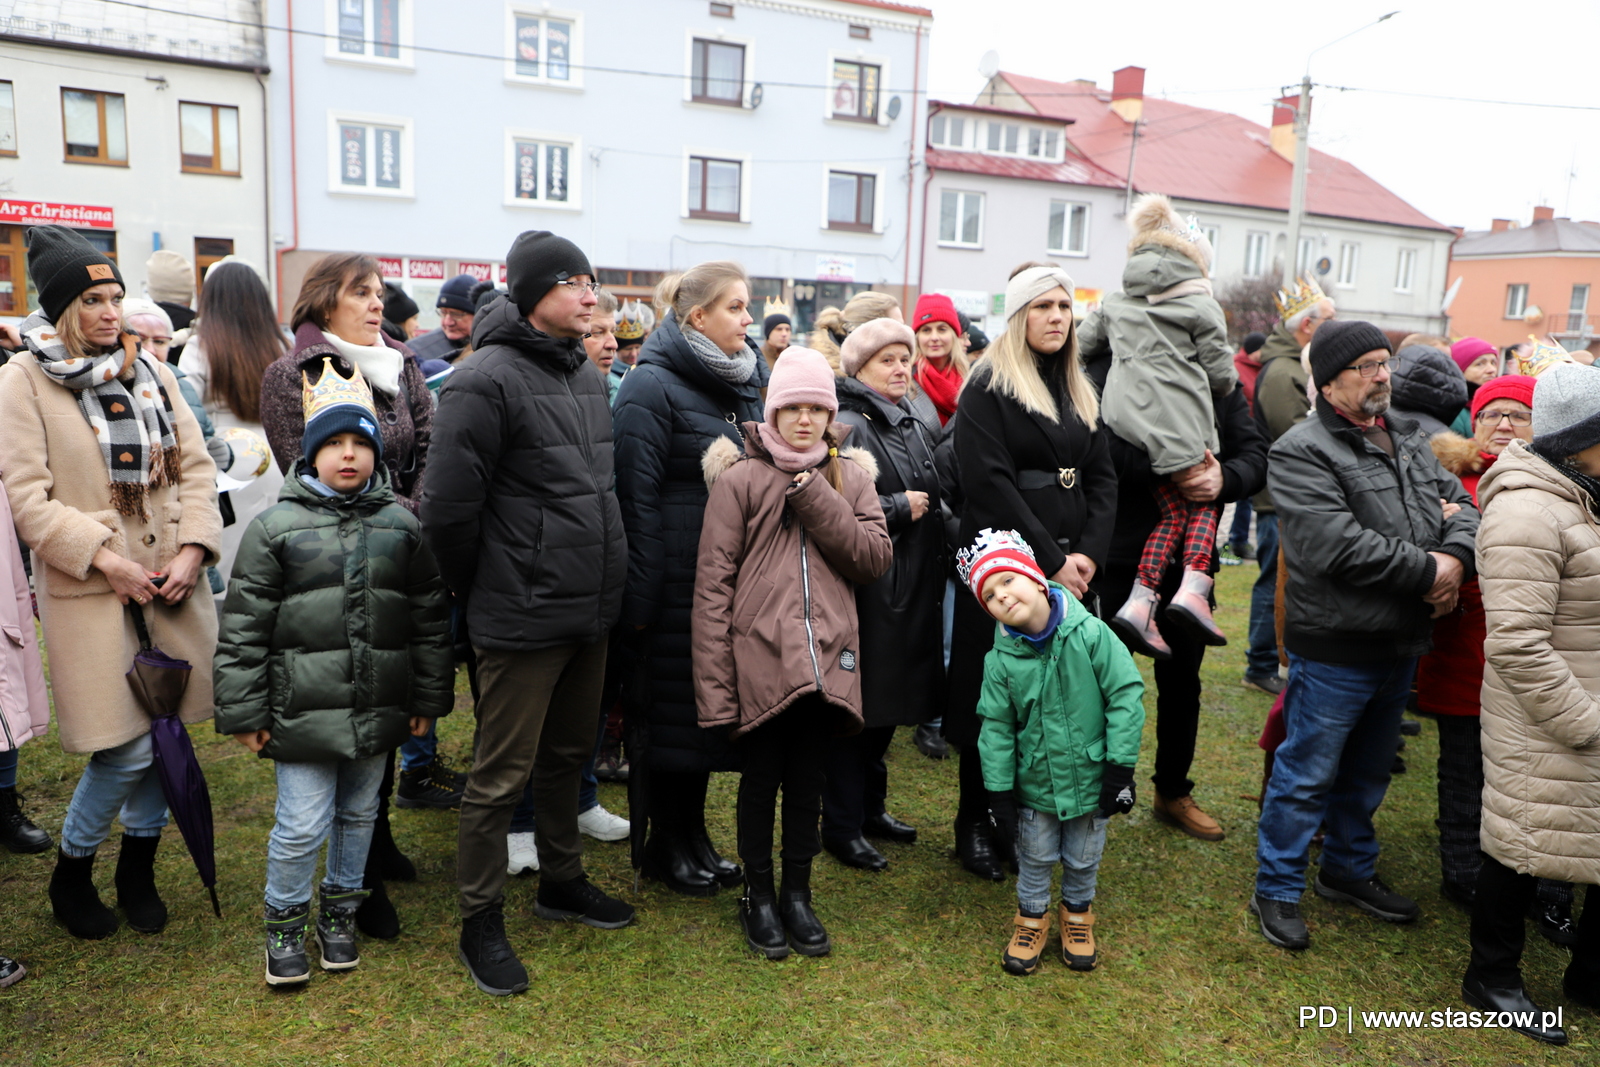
x=8 y=121
x=716 y=73
x=1003 y=137
x=1405 y=270
x=370 y=29
x=1213 y=235
x=544 y=47
x=947 y=131
x=1579 y=306
x=370 y=154
x=716 y=188
x=1044 y=144
x=1349 y=263
x=541 y=171
x=961 y=219
x=852 y=201
x=1069 y=228
x=1256 y=243
x=1516 y=300
x=853 y=92
x=1306 y=258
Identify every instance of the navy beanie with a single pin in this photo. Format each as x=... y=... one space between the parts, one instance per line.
x=336 y=403
x=457 y=293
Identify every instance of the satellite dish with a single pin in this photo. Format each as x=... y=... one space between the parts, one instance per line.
x=1450 y=297
x=989 y=65
x=894 y=108
x=756 y=93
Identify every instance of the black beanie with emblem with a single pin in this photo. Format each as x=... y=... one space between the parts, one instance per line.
x=1338 y=344
x=537 y=261
x=62 y=265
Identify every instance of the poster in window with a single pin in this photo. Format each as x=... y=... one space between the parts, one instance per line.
x=386 y=28
x=845 y=79
x=555 y=172
x=527 y=171
x=352 y=26
x=558 y=50
x=386 y=155
x=869 y=92
x=527 y=47
x=353 y=149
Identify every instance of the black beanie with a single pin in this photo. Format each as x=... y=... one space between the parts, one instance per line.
x=457 y=293
x=397 y=305
x=63 y=265
x=537 y=261
x=772 y=322
x=1338 y=344
x=1253 y=342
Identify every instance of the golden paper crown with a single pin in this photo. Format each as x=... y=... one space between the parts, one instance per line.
x=333 y=389
x=1305 y=295
x=1541 y=357
x=776 y=306
x=634 y=323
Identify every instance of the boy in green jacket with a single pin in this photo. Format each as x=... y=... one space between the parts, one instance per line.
x=1062 y=710
x=334 y=646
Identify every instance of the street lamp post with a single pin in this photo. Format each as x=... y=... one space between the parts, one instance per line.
x=1302 y=153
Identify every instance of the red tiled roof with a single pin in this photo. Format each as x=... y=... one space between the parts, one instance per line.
x=1072 y=172
x=1194 y=153
x=907 y=8
x=935 y=106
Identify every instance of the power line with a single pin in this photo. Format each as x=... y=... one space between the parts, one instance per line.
x=1460 y=99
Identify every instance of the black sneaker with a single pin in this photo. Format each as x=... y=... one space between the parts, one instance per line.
x=578 y=898
x=444 y=774
x=490 y=959
x=336 y=928
x=418 y=788
x=1556 y=923
x=1370 y=895
x=17 y=831
x=286 y=944
x=1281 y=923
x=1269 y=684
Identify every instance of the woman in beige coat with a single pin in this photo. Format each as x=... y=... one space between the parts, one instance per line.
x=1539 y=569
x=111 y=487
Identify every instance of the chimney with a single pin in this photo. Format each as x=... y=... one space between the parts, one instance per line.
x=1283 y=125
x=1127 y=93
x=1499 y=225
x=1543 y=214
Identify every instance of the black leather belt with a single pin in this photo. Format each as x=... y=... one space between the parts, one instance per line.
x=1063 y=478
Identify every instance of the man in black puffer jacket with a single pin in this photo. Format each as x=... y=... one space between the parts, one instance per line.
x=528 y=534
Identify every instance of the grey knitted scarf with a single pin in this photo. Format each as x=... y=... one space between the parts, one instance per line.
x=735 y=370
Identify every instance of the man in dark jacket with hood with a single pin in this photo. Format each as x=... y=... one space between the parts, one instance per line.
x=456 y=305
x=529 y=537
x=1378 y=538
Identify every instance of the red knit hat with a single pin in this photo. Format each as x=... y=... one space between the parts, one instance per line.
x=1469 y=349
x=1506 y=387
x=995 y=551
x=935 y=307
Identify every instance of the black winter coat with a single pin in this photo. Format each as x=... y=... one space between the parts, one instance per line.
x=1426 y=386
x=668 y=410
x=901 y=615
x=522 y=517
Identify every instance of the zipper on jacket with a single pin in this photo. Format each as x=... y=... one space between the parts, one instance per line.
x=805 y=587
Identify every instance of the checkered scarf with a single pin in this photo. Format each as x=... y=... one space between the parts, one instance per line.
x=121 y=395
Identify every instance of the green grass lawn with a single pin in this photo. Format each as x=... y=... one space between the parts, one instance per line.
x=914 y=977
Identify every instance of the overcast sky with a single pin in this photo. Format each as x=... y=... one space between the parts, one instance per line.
x=1461 y=163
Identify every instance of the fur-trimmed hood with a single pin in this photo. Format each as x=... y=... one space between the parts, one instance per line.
x=1154 y=221
x=720 y=457
x=1458 y=455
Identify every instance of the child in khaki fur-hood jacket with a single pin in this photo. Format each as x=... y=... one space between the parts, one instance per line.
x=788 y=528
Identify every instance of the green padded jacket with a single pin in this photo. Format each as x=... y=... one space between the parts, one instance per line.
x=1050 y=717
x=336 y=630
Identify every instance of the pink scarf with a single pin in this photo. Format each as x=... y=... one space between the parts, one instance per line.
x=784 y=455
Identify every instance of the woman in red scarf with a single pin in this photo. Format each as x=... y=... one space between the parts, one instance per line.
x=940 y=365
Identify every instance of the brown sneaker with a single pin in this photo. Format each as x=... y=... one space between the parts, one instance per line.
x=1186 y=815
x=1027 y=944
x=1077 y=939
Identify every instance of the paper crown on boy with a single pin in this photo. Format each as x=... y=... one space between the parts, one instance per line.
x=992 y=552
x=334 y=405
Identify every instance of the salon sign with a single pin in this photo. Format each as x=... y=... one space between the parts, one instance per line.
x=38 y=212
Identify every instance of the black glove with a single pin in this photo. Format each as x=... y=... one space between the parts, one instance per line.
x=1003 y=806
x=1116 y=789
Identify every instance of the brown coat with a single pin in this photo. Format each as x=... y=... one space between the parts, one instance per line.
x=774 y=609
x=56 y=481
x=1539 y=567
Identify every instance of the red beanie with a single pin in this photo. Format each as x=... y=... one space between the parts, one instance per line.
x=1505 y=387
x=1467 y=350
x=935 y=307
x=995 y=551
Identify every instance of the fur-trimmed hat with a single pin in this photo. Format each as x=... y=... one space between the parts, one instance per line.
x=1154 y=221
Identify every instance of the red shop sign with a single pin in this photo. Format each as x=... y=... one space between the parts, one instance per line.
x=481 y=271
x=34 y=212
x=391 y=267
x=425 y=268
x=501 y=274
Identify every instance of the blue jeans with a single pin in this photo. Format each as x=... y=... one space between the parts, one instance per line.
x=419 y=751
x=1262 y=657
x=317 y=802
x=8 y=768
x=522 y=819
x=1042 y=842
x=1343 y=721
x=1240 y=534
x=122 y=778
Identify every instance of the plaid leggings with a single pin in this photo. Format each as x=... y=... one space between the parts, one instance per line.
x=1194 y=523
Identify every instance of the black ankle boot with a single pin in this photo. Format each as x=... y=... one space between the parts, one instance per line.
x=758 y=914
x=724 y=871
x=669 y=860
x=691 y=820
x=75 y=902
x=806 y=932
x=975 y=849
x=136 y=884
x=376 y=916
x=392 y=864
x=17 y=832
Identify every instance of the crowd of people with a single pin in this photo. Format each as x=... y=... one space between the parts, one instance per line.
x=764 y=557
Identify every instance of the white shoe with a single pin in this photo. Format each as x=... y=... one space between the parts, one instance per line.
x=601 y=825
x=522 y=855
